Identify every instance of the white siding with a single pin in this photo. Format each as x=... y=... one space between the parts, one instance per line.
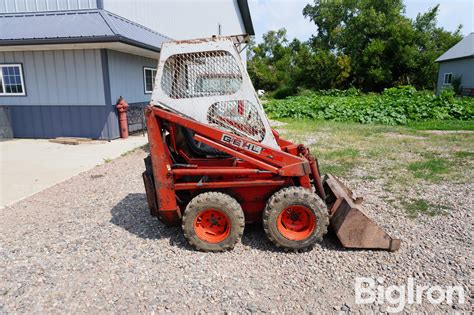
x=182 y=19
x=11 y=6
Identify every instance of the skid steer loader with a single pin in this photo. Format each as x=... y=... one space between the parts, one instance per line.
x=216 y=164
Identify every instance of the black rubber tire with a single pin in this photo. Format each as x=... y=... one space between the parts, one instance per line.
x=222 y=202
x=295 y=196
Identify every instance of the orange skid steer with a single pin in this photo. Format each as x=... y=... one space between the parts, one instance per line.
x=216 y=164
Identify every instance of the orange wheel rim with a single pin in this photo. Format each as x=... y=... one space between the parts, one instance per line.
x=296 y=223
x=212 y=226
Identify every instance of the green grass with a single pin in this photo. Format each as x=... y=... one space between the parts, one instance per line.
x=403 y=159
x=339 y=169
x=416 y=207
x=442 y=125
x=464 y=154
x=338 y=161
x=348 y=153
x=430 y=169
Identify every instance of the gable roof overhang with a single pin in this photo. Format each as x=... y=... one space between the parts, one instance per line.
x=462 y=50
x=118 y=46
x=246 y=17
x=80 y=27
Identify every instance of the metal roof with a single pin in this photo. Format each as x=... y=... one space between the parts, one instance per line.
x=463 y=49
x=80 y=26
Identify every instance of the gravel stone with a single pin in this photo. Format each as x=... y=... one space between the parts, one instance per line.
x=89 y=244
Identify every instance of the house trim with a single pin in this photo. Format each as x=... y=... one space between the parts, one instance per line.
x=105 y=75
x=444 y=78
x=246 y=17
x=454 y=59
x=144 y=79
x=125 y=48
x=23 y=82
x=95 y=39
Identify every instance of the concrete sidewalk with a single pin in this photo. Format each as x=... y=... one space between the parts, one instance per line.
x=28 y=166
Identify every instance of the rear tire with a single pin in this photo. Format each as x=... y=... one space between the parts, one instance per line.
x=213 y=221
x=295 y=218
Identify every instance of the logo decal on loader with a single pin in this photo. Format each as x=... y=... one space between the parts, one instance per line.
x=242 y=144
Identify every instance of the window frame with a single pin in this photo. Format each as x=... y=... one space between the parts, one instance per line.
x=22 y=79
x=450 y=74
x=144 y=79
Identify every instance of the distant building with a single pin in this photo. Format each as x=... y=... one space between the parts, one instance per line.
x=64 y=64
x=458 y=61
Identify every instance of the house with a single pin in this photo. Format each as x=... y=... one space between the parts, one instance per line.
x=64 y=64
x=458 y=62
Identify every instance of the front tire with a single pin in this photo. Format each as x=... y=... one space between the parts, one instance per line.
x=213 y=222
x=295 y=218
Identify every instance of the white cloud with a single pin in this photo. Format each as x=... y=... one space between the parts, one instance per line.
x=274 y=14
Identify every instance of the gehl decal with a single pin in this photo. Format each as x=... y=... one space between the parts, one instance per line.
x=241 y=144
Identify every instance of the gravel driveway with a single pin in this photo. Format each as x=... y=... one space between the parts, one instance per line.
x=90 y=245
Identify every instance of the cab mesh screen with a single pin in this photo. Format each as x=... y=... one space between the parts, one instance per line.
x=201 y=74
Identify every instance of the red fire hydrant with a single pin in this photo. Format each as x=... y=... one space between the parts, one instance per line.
x=122 y=108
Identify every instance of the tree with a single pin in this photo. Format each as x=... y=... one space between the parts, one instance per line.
x=368 y=44
x=385 y=47
x=431 y=42
x=282 y=66
x=270 y=61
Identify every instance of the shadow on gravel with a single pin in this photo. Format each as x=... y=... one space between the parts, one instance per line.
x=132 y=214
x=254 y=236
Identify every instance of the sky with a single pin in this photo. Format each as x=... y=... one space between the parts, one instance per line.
x=274 y=14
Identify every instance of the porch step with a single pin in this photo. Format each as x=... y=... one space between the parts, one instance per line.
x=70 y=140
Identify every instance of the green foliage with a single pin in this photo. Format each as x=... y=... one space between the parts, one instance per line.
x=457 y=88
x=368 y=44
x=336 y=92
x=283 y=92
x=395 y=106
x=268 y=59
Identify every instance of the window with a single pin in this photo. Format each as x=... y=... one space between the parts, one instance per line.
x=11 y=80
x=201 y=74
x=448 y=78
x=240 y=117
x=149 y=75
x=207 y=84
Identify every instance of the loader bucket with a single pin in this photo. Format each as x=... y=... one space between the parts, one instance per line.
x=352 y=226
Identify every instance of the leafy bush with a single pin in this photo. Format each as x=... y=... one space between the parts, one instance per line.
x=336 y=92
x=457 y=87
x=395 y=106
x=283 y=92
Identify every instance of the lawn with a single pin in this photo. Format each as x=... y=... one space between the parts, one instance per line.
x=403 y=160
